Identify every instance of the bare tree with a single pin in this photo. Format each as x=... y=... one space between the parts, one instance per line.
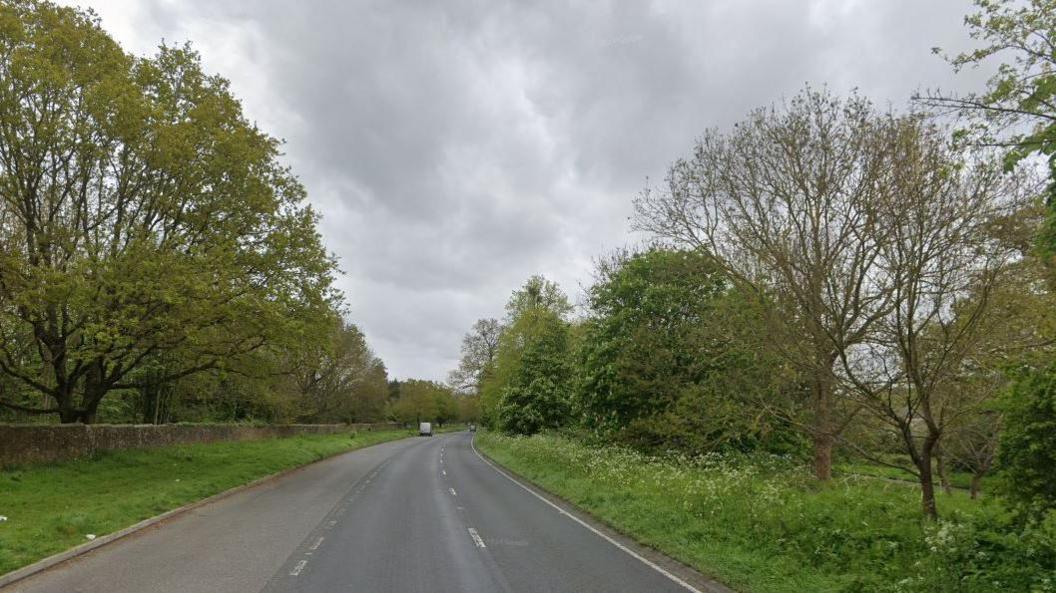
x=973 y=446
x=940 y=265
x=787 y=204
x=479 y=348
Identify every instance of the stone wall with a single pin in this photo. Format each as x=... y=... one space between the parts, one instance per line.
x=28 y=443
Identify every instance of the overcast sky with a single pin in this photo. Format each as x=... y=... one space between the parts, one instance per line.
x=456 y=147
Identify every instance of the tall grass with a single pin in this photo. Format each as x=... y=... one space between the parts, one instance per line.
x=761 y=524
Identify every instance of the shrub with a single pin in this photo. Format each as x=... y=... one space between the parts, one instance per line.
x=1027 y=450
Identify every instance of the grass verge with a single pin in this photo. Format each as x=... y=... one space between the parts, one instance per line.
x=960 y=480
x=763 y=525
x=53 y=507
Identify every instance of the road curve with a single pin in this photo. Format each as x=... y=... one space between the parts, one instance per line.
x=425 y=515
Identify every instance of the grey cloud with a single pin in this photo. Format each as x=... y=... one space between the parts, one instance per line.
x=456 y=147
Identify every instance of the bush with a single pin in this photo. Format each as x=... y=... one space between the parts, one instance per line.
x=1027 y=450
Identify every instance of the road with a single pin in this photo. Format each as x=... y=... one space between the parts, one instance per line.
x=412 y=516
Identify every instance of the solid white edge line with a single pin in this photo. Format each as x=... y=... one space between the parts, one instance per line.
x=634 y=554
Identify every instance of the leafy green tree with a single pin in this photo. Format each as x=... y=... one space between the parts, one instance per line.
x=423 y=401
x=446 y=405
x=468 y=408
x=1027 y=448
x=538 y=293
x=142 y=219
x=536 y=360
x=1018 y=108
x=644 y=341
x=530 y=387
x=667 y=359
x=340 y=380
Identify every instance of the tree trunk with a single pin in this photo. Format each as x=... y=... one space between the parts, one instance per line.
x=977 y=480
x=927 y=480
x=823 y=443
x=944 y=478
x=149 y=394
x=822 y=429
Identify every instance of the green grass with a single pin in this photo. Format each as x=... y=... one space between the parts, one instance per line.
x=763 y=525
x=53 y=507
x=958 y=479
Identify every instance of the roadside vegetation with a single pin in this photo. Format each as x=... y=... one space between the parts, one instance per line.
x=762 y=524
x=158 y=261
x=831 y=366
x=49 y=508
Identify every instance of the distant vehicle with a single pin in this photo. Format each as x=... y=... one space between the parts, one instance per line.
x=425 y=429
x=472 y=428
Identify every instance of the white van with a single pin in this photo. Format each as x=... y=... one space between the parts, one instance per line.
x=425 y=429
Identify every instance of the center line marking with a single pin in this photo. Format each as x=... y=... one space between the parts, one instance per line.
x=297 y=569
x=476 y=538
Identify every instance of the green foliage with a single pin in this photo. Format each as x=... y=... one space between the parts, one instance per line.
x=1027 y=451
x=537 y=293
x=423 y=401
x=668 y=359
x=148 y=231
x=760 y=523
x=530 y=386
x=339 y=379
x=538 y=394
x=1017 y=110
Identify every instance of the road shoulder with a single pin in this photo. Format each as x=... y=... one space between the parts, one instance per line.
x=685 y=575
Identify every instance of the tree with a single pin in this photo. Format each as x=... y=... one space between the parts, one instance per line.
x=1027 y=451
x=468 y=408
x=531 y=386
x=941 y=267
x=446 y=405
x=479 y=348
x=668 y=358
x=143 y=220
x=784 y=204
x=423 y=401
x=972 y=445
x=538 y=293
x=340 y=380
x=538 y=394
x=1018 y=109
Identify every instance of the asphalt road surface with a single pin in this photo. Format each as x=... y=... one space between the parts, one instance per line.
x=422 y=515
